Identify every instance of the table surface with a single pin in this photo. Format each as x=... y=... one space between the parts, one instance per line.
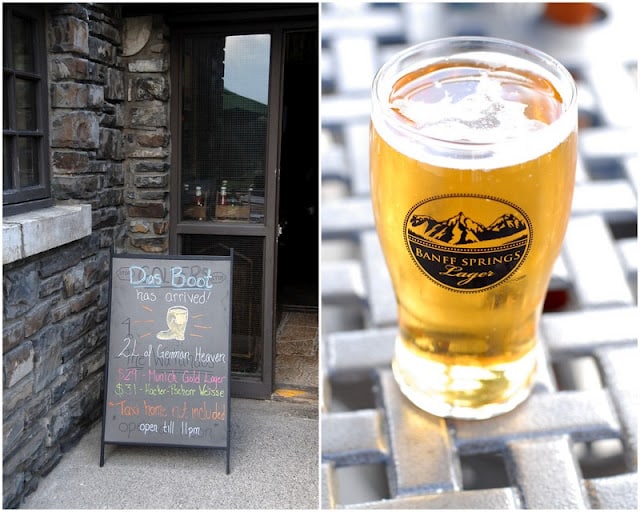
x=573 y=444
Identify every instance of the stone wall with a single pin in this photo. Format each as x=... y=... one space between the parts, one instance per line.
x=147 y=140
x=108 y=121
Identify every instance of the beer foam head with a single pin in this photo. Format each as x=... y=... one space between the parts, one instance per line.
x=485 y=103
x=482 y=116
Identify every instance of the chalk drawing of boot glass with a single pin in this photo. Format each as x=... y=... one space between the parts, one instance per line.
x=177 y=317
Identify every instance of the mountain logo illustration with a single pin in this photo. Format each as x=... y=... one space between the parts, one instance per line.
x=461 y=229
x=467 y=242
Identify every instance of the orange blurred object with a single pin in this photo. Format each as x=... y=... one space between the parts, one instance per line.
x=570 y=13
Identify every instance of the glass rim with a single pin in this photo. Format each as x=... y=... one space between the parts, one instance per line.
x=417 y=56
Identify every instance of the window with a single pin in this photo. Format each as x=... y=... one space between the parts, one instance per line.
x=224 y=127
x=25 y=179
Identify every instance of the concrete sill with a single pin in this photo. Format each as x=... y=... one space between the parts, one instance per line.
x=31 y=233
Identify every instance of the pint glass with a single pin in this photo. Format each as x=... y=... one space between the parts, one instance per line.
x=472 y=156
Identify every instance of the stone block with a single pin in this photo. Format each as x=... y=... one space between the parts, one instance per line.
x=158 y=65
x=104 y=303
x=20 y=291
x=63 y=67
x=68 y=95
x=156 y=245
x=93 y=363
x=149 y=166
x=73 y=352
x=161 y=228
x=114 y=88
x=107 y=120
x=74 y=10
x=98 y=73
x=35 y=319
x=37 y=405
x=59 y=312
x=98 y=166
x=47 y=347
x=50 y=286
x=17 y=364
x=107 y=12
x=50 y=228
x=158 y=47
x=69 y=376
x=14 y=397
x=11 y=242
x=148 y=152
x=102 y=51
x=77 y=130
x=151 y=181
x=139 y=226
x=28 y=453
x=76 y=95
x=68 y=34
x=84 y=300
x=95 y=96
x=58 y=422
x=111 y=144
x=153 y=210
x=70 y=162
x=120 y=115
x=60 y=260
x=73 y=281
x=110 y=197
x=89 y=245
x=143 y=88
x=78 y=324
x=106 y=217
x=157 y=139
x=76 y=187
x=12 y=334
x=152 y=114
x=12 y=489
x=105 y=30
x=12 y=430
x=152 y=194
x=96 y=269
x=114 y=174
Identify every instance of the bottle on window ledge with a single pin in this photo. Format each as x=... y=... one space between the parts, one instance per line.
x=222 y=197
x=186 y=194
x=199 y=203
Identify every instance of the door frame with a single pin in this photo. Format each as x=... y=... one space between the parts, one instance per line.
x=276 y=22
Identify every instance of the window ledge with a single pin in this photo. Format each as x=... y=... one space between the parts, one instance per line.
x=31 y=233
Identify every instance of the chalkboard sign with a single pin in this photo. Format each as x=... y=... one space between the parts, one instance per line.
x=168 y=353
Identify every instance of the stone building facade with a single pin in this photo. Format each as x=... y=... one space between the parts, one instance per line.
x=109 y=163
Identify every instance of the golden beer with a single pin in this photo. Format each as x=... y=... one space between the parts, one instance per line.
x=473 y=154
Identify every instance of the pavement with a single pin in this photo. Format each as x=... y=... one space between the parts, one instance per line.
x=273 y=465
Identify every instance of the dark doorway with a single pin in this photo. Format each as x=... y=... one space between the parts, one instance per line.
x=298 y=257
x=238 y=132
